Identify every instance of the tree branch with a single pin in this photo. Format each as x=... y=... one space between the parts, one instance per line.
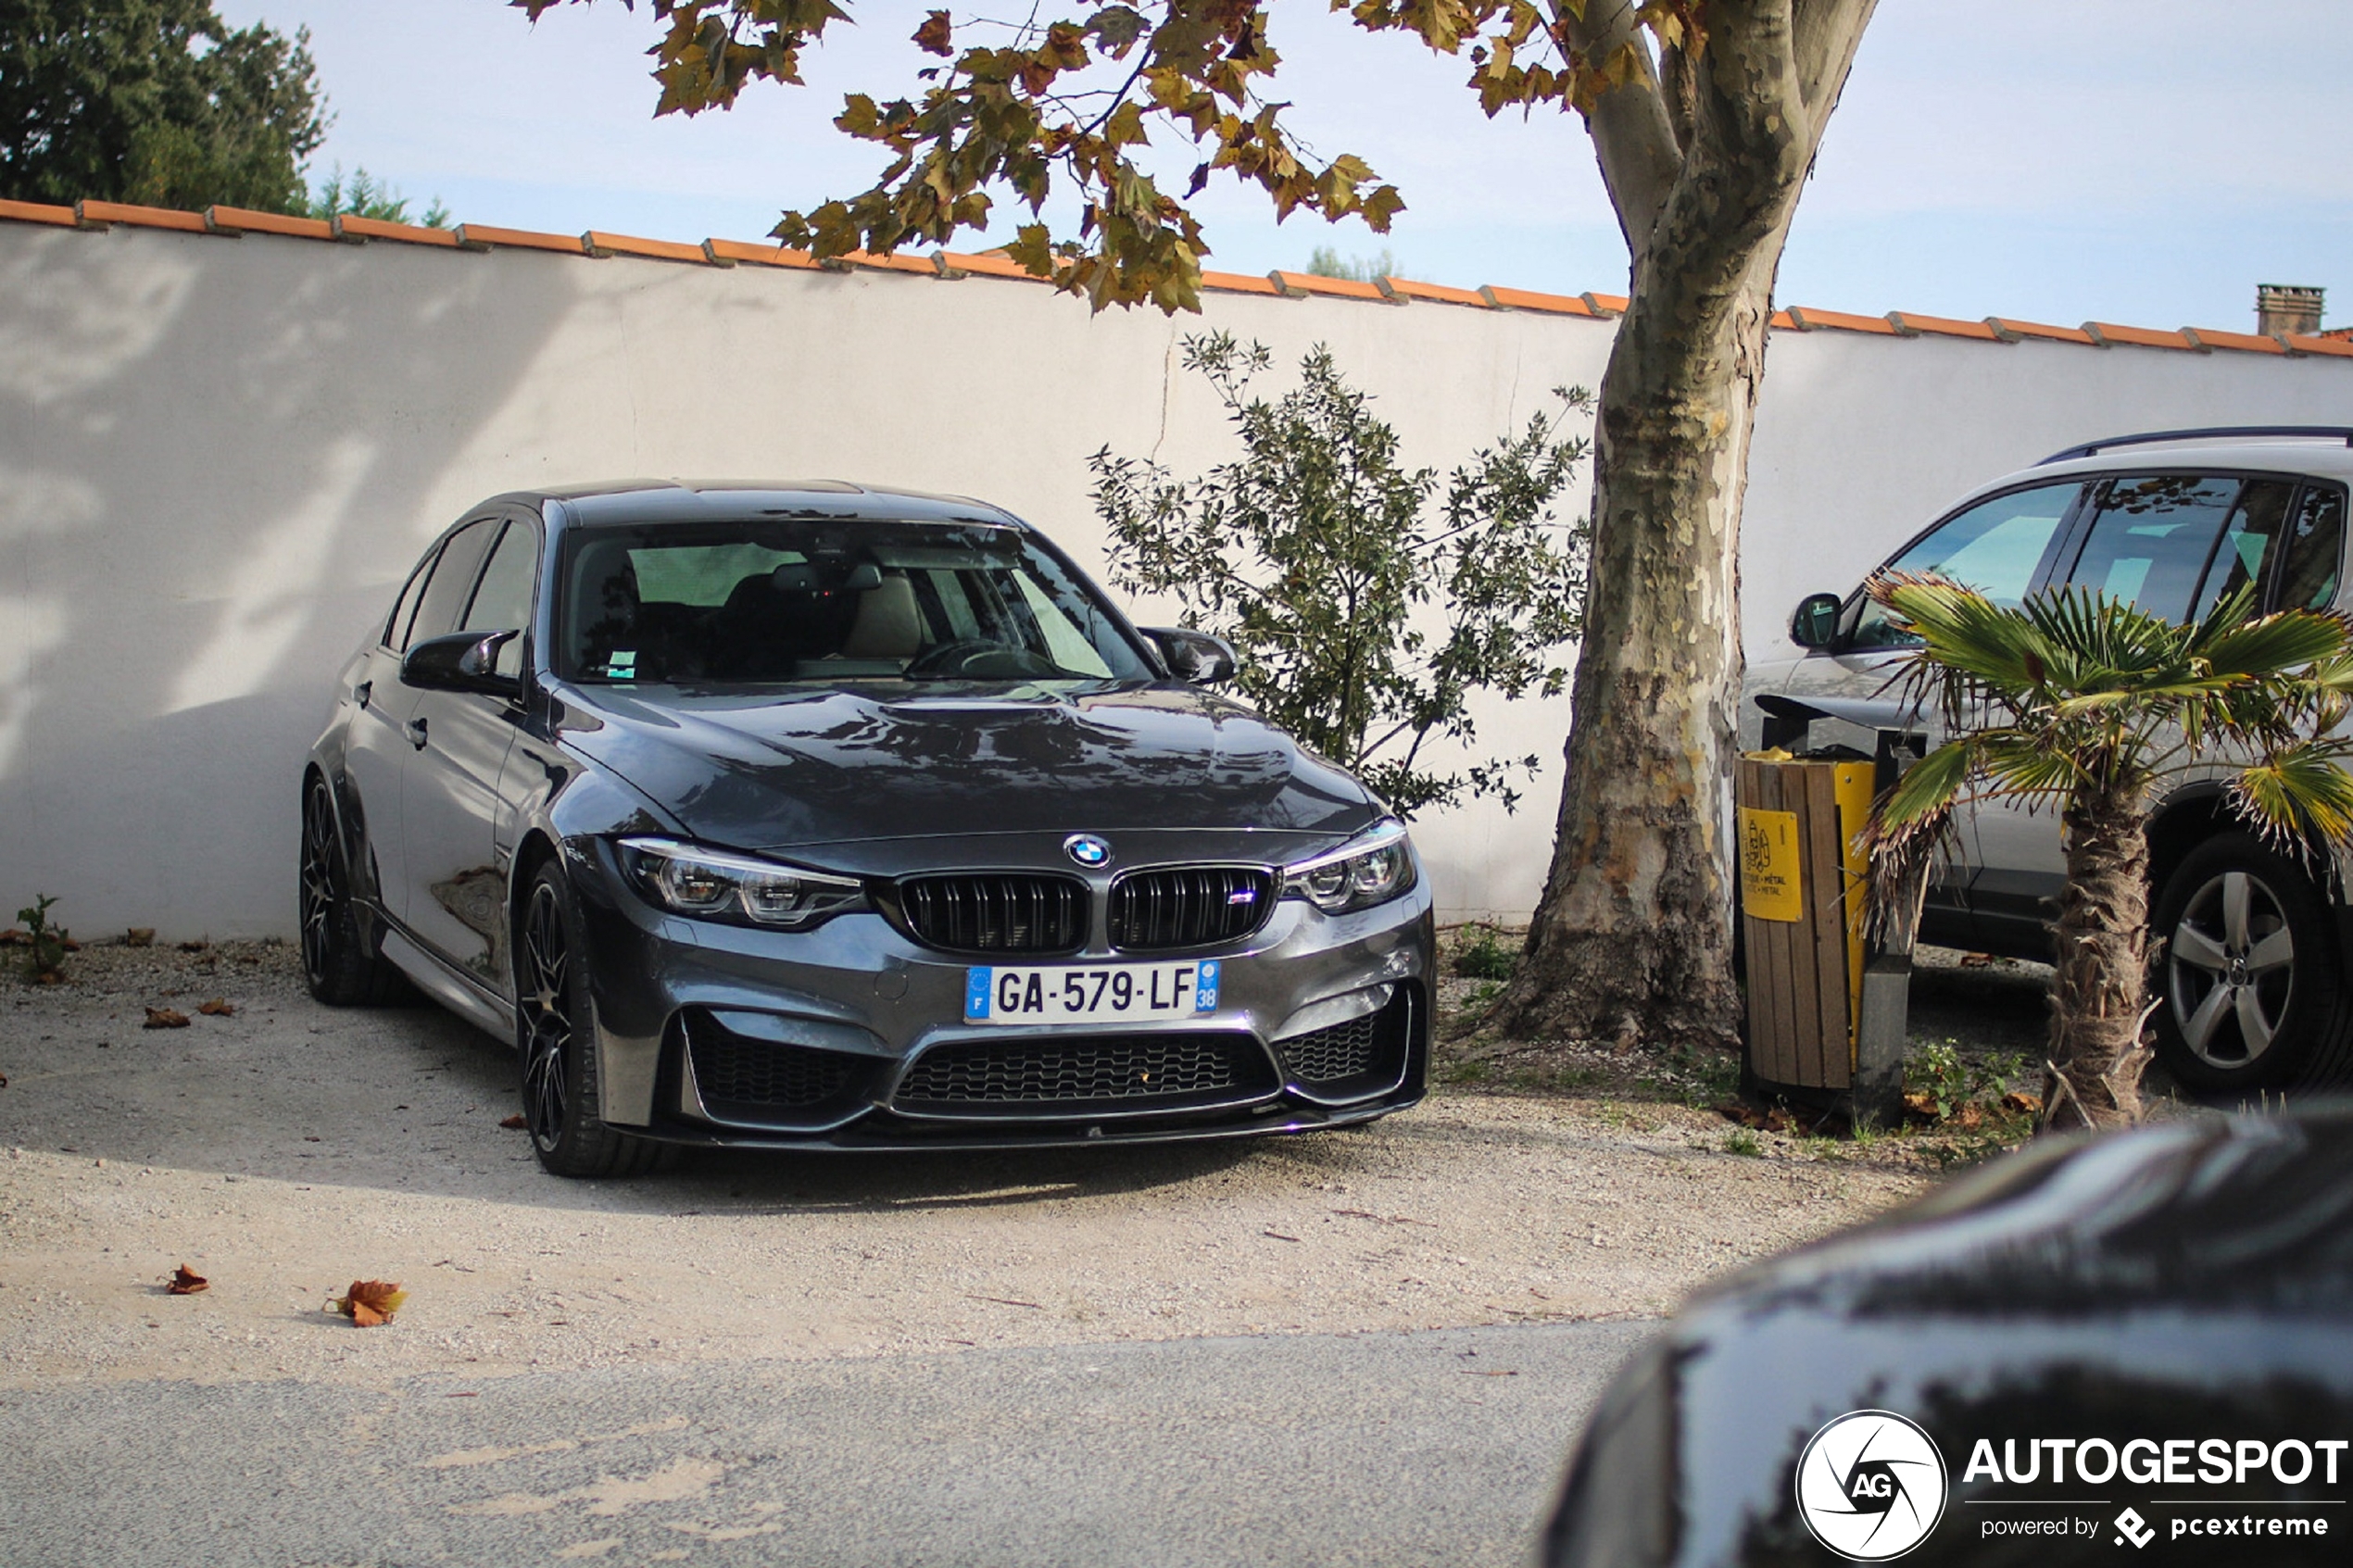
x=1827 y=32
x=1632 y=136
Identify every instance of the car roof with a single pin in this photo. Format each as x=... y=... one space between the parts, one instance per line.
x=2316 y=457
x=685 y=501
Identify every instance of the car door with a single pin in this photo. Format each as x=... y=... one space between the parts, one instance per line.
x=454 y=888
x=378 y=743
x=2173 y=544
x=2003 y=546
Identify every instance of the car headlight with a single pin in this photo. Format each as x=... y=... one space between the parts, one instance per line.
x=1373 y=867
x=687 y=879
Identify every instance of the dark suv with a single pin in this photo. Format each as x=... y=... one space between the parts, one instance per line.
x=2250 y=944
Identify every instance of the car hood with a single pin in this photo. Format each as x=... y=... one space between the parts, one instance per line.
x=766 y=771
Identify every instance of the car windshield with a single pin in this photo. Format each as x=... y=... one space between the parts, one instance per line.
x=768 y=600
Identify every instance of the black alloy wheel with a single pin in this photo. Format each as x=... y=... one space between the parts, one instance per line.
x=552 y=1006
x=2252 y=997
x=336 y=961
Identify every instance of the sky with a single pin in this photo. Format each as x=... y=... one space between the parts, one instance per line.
x=2053 y=160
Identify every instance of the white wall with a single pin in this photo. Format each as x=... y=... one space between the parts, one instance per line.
x=217 y=457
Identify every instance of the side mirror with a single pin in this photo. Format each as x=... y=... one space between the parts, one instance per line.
x=461 y=661
x=1194 y=656
x=1816 y=623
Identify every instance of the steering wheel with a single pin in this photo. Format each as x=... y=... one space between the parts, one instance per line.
x=978 y=659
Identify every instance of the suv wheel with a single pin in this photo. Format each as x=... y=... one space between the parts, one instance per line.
x=2252 y=993
x=553 y=1011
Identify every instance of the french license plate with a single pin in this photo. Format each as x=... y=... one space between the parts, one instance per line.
x=1091 y=993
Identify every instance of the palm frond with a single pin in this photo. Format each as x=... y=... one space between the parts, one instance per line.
x=2300 y=791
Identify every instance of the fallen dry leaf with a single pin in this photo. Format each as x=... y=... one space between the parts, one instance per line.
x=139 y=937
x=185 y=1281
x=369 y=1302
x=1922 y=1105
x=1979 y=961
x=164 y=1018
x=2019 y=1099
x=217 y=1007
x=199 y=946
x=14 y=937
x=512 y=1123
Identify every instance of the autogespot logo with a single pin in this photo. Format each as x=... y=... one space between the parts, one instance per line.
x=1871 y=1486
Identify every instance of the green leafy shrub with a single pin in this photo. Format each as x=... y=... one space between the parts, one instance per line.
x=45 y=944
x=1480 y=955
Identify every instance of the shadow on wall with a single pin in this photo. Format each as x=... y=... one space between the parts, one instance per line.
x=174 y=565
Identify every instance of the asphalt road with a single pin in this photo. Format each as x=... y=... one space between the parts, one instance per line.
x=1397 y=1448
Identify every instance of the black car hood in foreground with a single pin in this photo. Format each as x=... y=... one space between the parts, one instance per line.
x=2189 y=1284
x=777 y=769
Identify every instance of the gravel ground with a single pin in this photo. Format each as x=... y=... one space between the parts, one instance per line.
x=284 y=1149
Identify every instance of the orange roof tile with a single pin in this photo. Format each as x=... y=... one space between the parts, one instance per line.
x=1527 y=299
x=725 y=251
x=2007 y=325
x=235 y=221
x=231 y=221
x=36 y=212
x=2251 y=342
x=1238 y=282
x=596 y=243
x=97 y=215
x=347 y=227
x=990 y=264
x=2107 y=333
x=1812 y=320
x=479 y=236
x=1913 y=326
x=893 y=263
x=1784 y=320
x=1401 y=289
x=1302 y=283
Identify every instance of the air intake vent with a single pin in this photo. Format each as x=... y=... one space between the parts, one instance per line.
x=1358 y=1056
x=738 y=1075
x=1060 y=1072
x=1189 y=907
x=1010 y=913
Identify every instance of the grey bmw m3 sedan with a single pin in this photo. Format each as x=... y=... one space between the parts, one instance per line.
x=817 y=816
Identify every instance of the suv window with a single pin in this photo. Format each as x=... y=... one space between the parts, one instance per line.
x=2150 y=543
x=1994 y=547
x=503 y=602
x=2308 y=575
x=2249 y=543
x=453 y=577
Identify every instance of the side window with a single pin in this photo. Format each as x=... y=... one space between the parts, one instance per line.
x=2249 y=541
x=396 y=636
x=452 y=580
x=2315 y=545
x=1995 y=548
x=2150 y=542
x=503 y=602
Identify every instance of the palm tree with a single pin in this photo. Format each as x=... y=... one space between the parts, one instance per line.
x=2089 y=705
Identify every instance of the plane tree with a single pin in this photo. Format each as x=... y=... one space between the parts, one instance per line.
x=1705 y=116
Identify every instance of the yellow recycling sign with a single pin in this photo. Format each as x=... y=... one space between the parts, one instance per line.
x=1770 y=885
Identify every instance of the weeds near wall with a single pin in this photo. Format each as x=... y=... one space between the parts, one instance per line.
x=45 y=946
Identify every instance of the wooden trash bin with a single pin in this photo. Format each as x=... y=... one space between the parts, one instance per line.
x=1804 y=914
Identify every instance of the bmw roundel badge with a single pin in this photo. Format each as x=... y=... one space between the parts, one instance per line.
x=1087 y=849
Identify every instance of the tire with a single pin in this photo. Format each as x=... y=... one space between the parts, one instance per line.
x=2252 y=993
x=343 y=970
x=555 y=1046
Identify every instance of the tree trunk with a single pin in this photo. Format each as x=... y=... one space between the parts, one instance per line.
x=1632 y=939
x=2100 y=1013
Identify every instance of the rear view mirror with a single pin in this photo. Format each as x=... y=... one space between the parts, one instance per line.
x=1195 y=656
x=461 y=661
x=1816 y=623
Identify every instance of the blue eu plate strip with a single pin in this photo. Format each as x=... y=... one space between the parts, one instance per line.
x=1205 y=987
x=977 y=988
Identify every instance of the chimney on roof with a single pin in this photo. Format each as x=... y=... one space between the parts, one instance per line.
x=2282 y=308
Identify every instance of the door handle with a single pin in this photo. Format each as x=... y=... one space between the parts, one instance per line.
x=362 y=692
x=415 y=729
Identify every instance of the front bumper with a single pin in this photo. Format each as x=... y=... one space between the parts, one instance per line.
x=841 y=1037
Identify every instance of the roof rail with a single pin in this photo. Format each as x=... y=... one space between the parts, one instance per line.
x=2305 y=432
